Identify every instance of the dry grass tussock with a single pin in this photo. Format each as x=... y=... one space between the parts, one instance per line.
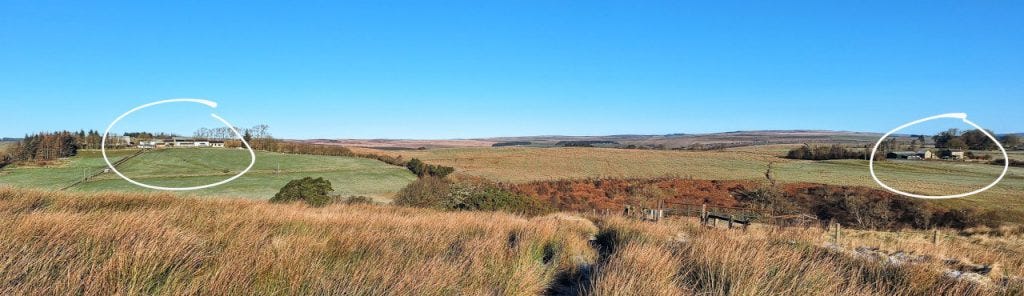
x=117 y=243
x=681 y=258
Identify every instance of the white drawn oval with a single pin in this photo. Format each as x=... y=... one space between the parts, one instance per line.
x=961 y=116
x=211 y=104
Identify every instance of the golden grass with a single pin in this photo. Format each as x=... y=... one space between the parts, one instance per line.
x=680 y=257
x=113 y=243
x=524 y=164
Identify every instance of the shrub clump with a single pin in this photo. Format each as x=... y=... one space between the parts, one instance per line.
x=358 y=200
x=863 y=208
x=435 y=192
x=1013 y=162
x=423 y=169
x=315 y=192
x=807 y=152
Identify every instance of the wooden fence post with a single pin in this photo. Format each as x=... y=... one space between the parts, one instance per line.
x=704 y=214
x=730 y=221
x=661 y=207
x=838 y=232
x=935 y=236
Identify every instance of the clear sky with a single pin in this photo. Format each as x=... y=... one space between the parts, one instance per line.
x=425 y=69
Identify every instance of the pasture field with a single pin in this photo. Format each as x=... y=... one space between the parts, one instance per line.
x=192 y=167
x=1014 y=154
x=160 y=244
x=524 y=164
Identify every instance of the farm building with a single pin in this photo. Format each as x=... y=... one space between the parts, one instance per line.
x=952 y=154
x=155 y=143
x=928 y=154
x=119 y=141
x=180 y=142
x=912 y=155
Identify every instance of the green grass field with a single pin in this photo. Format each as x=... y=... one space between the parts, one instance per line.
x=192 y=167
x=1018 y=155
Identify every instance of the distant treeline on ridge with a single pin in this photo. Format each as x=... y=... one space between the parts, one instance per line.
x=511 y=143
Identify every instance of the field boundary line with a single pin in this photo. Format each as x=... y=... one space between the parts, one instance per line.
x=104 y=170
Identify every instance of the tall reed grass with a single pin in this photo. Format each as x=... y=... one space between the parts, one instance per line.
x=118 y=243
x=681 y=257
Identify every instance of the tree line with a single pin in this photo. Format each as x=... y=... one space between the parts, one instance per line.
x=512 y=143
x=584 y=143
x=145 y=136
x=808 y=152
x=46 y=146
x=422 y=169
x=972 y=139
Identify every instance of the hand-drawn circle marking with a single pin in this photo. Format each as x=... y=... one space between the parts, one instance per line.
x=961 y=116
x=210 y=104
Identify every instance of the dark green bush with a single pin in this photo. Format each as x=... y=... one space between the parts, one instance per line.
x=441 y=171
x=1013 y=162
x=423 y=169
x=315 y=192
x=967 y=218
x=425 y=192
x=358 y=199
x=489 y=198
x=434 y=192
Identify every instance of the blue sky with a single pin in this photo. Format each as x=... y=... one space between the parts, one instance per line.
x=419 y=69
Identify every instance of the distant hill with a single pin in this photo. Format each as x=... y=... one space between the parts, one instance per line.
x=669 y=141
x=735 y=137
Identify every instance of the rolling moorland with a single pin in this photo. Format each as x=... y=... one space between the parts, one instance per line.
x=94 y=239
x=525 y=164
